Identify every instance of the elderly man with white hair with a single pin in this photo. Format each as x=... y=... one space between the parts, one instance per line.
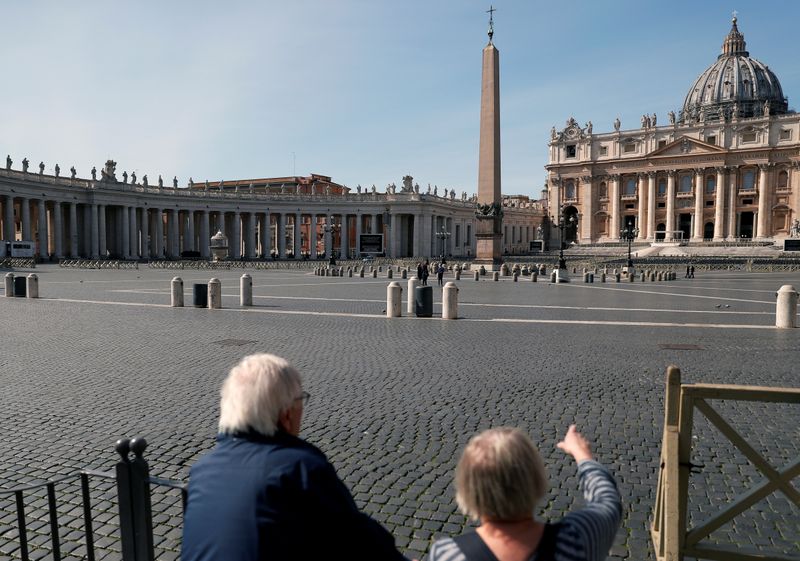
x=262 y=492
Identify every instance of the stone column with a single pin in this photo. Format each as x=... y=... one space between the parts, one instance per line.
x=86 y=231
x=134 y=233
x=236 y=236
x=298 y=246
x=174 y=233
x=158 y=232
x=670 y=204
x=9 y=229
x=587 y=209
x=102 y=245
x=615 y=217
x=94 y=244
x=42 y=229
x=147 y=249
x=651 y=205
x=417 y=245
x=25 y=208
x=58 y=231
x=264 y=235
x=764 y=206
x=719 y=206
x=345 y=237
x=280 y=221
x=250 y=242
x=73 y=230
x=641 y=202
x=205 y=235
x=732 y=198
x=359 y=224
x=388 y=242
x=126 y=233
x=698 y=205
x=220 y=222
x=188 y=237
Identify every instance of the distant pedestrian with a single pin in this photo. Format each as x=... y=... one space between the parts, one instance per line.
x=691 y=272
x=688 y=268
x=419 y=271
x=425 y=272
x=440 y=274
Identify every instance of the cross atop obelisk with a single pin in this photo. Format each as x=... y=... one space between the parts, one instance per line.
x=489 y=211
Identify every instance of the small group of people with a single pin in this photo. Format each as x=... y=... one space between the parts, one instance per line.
x=424 y=270
x=689 y=272
x=265 y=493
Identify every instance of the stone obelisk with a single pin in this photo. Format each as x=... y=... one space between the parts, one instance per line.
x=489 y=211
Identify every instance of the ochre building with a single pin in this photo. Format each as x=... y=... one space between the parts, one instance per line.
x=726 y=167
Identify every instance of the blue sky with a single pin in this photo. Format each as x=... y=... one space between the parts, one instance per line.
x=365 y=91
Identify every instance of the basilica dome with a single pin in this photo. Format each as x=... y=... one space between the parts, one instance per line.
x=734 y=86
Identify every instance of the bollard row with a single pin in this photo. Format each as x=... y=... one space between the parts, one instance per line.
x=22 y=286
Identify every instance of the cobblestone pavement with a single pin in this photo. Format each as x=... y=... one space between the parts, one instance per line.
x=101 y=356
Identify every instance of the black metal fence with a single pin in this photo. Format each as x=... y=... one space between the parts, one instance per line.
x=63 y=534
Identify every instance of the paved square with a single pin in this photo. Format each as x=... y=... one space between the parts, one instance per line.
x=102 y=355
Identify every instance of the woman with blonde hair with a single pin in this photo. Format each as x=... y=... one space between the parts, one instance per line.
x=500 y=478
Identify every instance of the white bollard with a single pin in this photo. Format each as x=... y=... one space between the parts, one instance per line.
x=214 y=294
x=413 y=282
x=450 y=301
x=394 y=294
x=786 y=307
x=9 y=284
x=176 y=295
x=458 y=274
x=553 y=276
x=32 y=285
x=246 y=290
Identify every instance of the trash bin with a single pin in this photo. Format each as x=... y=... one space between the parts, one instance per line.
x=423 y=301
x=200 y=299
x=19 y=286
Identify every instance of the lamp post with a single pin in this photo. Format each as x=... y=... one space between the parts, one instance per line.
x=331 y=229
x=442 y=234
x=629 y=233
x=563 y=223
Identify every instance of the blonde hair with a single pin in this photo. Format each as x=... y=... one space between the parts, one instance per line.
x=500 y=476
x=255 y=393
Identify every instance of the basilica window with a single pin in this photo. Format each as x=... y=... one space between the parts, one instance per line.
x=629 y=148
x=604 y=150
x=749 y=180
x=748 y=137
x=783 y=180
x=711 y=139
x=569 y=190
x=662 y=187
x=711 y=184
x=662 y=143
x=572 y=150
x=685 y=186
x=630 y=187
x=786 y=134
x=603 y=191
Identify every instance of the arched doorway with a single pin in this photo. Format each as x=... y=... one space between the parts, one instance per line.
x=708 y=231
x=746 y=220
x=571 y=224
x=660 y=231
x=685 y=225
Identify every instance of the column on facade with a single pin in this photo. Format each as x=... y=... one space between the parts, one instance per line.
x=94 y=244
x=312 y=235
x=220 y=222
x=344 y=237
x=188 y=238
x=174 y=233
x=250 y=242
x=670 y=204
x=58 y=231
x=614 y=228
x=298 y=239
x=42 y=228
x=158 y=233
x=651 y=205
x=641 y=205
x=359 y=225
x=389 y=242
x=144 y=224
x=235 y=243
x=587 y=209
x=732 y=178
x=205 y=227
x=280 y=222
x=126 y=233
x=698 y=205
x=719 y=206
x=764 y=196
x=25 y=208
x=264 y=237
x=86 y=231
x=9 y=230
x=134 y=233
x=102 y=245
x=73 y=230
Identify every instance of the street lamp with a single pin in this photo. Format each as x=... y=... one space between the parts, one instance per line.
x=629 y=233
x=442 y=235
x=332 y=229
x=563 y=223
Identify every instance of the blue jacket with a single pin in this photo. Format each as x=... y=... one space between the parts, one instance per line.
x=255 y=497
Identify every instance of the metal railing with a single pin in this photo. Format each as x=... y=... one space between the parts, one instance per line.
x=97 y=264
x=672 y=538
x=133 y=481
x=17 y=263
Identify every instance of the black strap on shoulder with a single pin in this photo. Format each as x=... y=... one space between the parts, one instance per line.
x=546 y=550
x=474 y=548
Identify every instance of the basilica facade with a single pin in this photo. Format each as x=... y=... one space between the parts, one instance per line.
x=726 y=167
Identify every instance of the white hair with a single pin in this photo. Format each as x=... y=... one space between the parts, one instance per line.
x=256 y=392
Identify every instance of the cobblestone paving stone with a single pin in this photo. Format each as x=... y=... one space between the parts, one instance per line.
x=394 y=401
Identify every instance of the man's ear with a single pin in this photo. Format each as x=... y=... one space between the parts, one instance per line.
x=285 y=420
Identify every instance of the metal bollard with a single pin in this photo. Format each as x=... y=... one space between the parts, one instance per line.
x=32 y=285
x=495 y=276
x=9 y=284
x=349 y=272
x=393 y=300
x=534 y=275
x=450 y=301
x=375 y=273
x=214 y=294
x=591 y=278
x=477 y=275
x=246 y=290
x=413 y=282
x=585 y=276
x=603 y=276
x=786 y=307
x=404 y=274
x=516 y=277
x=643 y=276
x=617 y=276
x=389 y=273
x=176 y=295
x=361 y=273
